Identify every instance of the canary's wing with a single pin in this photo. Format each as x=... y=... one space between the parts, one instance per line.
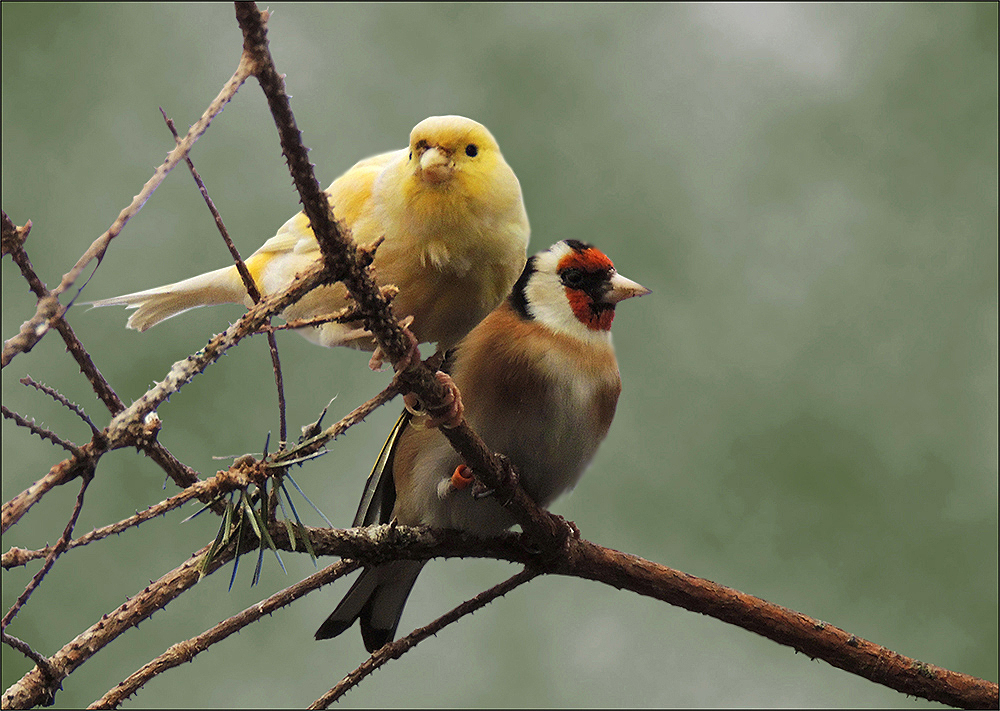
x=294 y=249
x=351 y=197
x=379 y=496
x=272 y=266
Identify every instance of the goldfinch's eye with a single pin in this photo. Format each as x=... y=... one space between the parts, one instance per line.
x=471 y=150
x=573 y=278
x=411 y=155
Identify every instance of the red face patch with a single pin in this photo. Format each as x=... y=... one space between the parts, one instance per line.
x=594 y=315
x=587 y=311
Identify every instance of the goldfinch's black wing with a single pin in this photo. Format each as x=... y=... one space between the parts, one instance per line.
x=379 y=496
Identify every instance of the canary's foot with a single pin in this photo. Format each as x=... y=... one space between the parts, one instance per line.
x=412 y=403
x=460 y=479
x=377 y=359
x=412 y=355
x=450 y=414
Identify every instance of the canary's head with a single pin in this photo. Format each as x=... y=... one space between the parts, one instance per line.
x=573 y=288
x=453 y=154
x=441 y=146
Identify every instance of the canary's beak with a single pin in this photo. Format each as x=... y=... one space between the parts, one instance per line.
x=435 y=165
x=622 y=288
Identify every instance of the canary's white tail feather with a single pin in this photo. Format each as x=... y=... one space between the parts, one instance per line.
x=223 y=286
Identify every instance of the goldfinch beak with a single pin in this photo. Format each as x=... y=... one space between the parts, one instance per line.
x=622 y=288
x=435 y=165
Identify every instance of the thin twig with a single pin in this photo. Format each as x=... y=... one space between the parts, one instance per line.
x=272 y=345
x=13 y=239
x=217 y=485
x=248 y=280
x=40 y=431
x=343 y=315
x=49 y=307
x=62 y=400
x=241 y=267
x=394 y=650
x=312 y=444
x=187 y=650
x=40 y=660
x=50 y=559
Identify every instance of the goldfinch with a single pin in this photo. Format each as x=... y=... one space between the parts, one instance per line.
x=455 y=228
x=540 y=383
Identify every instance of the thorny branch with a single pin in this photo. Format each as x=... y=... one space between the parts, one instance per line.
x=188 y=649
x=35 y=687
x=394 y=650
x=50 y=558
x=211 y=488
x=49 y=308
x=248 y=282
x=42 y=432
x=62 y=400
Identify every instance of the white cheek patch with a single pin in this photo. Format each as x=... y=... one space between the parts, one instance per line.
x=549 y=305
x=547 y=302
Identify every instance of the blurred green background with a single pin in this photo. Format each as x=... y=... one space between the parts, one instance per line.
x=809 y=411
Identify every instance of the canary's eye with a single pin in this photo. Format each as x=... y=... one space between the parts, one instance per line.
x=471 y=150
x=573 y=278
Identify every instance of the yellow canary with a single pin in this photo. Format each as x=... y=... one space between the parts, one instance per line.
x=455 y=228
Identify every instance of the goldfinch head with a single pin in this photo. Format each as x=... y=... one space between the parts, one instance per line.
x=572 y=288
